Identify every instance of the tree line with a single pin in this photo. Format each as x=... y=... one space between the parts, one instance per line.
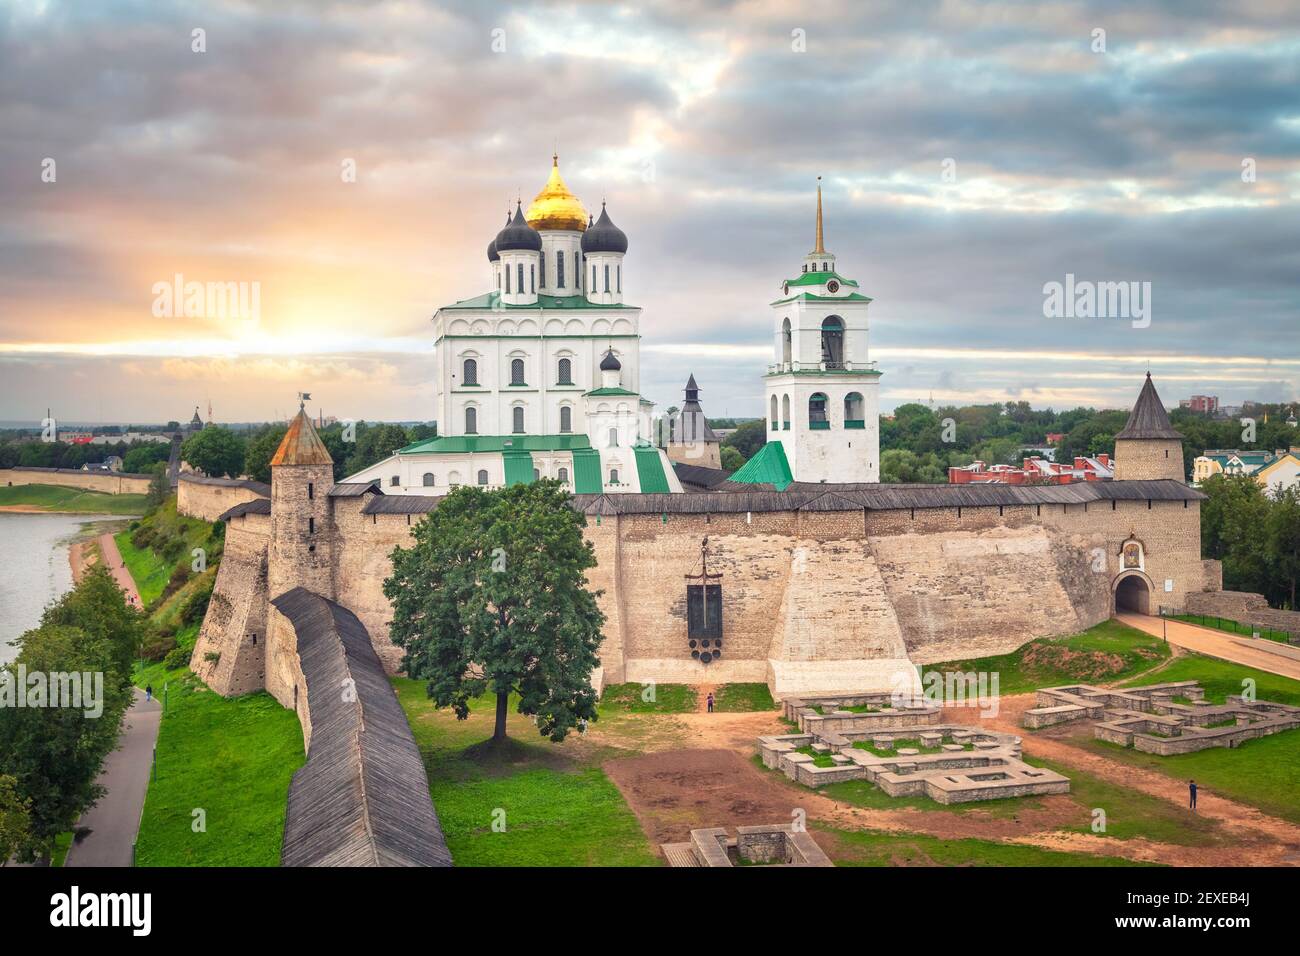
x=1256 y=534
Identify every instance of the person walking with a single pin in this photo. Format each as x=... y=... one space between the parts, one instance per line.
x=1191 y=790
x=709 y=701
x=148 y=691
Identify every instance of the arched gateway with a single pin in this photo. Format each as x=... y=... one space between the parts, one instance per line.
x=1133 y=593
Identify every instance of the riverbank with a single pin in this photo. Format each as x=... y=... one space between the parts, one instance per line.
x=58 y=499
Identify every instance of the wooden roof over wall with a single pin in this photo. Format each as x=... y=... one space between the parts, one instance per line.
x=362 y=798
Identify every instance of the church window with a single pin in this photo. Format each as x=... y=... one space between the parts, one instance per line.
x=564 y=476
x=471 y=372
x=564 y=374
x=520 y=276
x=805 y=267
x=428 y=479
x=507 y=280
x=532 y=278
x=482 y=476
x=774 y=412
x=613 y=438
x=787 y=342
x=566 y=419
x=518 y=414
x=825 y=266
x=394 y=481
x=593 y=279
x=833 y=341
x=613 y=476
x=541 y=258
x=536 y=474
x=620 y=279
x=854 y=416
x=607 y=278
x=559 y=268
x=471 y=422
x=817 y=417
x=516 y=371
x=785 y=412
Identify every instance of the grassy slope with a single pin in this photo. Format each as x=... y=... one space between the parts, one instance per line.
x=667 y=698
x=735 y=698
x=150 y=570
x=232 y=758
x=1107 y=652
x=872 y=848
x=1232 y=627
x=76 y=500
x=558 y=809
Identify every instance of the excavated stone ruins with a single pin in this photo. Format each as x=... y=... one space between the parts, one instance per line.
x=770 y=845
x=903 y=749
x=1163 y=719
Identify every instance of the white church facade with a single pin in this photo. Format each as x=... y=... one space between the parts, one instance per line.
x=540 y=376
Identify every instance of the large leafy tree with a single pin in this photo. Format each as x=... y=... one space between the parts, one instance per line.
x=492 y=597
x=217 y=452
x=15 y=821
x=261 y=449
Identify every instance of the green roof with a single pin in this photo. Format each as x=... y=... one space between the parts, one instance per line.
x=586 y=472
x=492 y=300
x=461 y=444
x=599 y=392
x=809 y=297
x=821 y=278
x=650 y=470
x=768 y=467
x=519 y=467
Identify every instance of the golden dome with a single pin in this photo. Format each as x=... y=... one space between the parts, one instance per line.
x=555 y=207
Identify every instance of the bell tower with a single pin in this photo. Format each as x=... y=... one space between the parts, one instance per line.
x=822 y=391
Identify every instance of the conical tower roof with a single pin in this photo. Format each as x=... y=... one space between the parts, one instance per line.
x=1148 y=418
x=301 y=445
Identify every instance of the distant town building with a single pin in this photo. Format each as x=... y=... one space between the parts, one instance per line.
x=1035 y=471
x=1055 y=438
x=1228 y=461
x=690 y=439
x=1205 y=404
x=111 y=463
x=1282 y=472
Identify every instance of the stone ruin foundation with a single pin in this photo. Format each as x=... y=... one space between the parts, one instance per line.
x=768 y=845
x=1162 y=719
x=862 y=737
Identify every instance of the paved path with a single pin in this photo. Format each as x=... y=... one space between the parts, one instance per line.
x=113 y=561
x=115 y=820
x=1265 y=655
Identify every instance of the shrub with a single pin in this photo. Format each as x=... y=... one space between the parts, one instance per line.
x=196 y=605
x=177 y=657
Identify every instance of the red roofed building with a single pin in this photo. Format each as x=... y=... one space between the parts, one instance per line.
x=1035 y=471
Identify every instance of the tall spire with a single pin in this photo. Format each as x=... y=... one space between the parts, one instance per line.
x=821 y=246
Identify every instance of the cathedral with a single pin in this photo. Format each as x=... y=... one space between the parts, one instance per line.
x=540 y=377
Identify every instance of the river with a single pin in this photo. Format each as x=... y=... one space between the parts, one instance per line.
x=34 y=568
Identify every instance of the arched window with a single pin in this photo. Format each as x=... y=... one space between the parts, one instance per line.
x=613 y=476
x=559 y=269
x=516 y=371
x=563 y=475
x=536 y=474
x=471 y=373
x=613 y=438
x=825 y=266
x=471 y=420
x=507 y=271
x=564 y=373
x=785 y=412
x=566 y=419
x=620 y=278
x=428 y=479
x=833 y=341
x=497 y=272
x=482 y=476
x=394 y=481
x=817 y=417
x=775 y=425
x=854 y=415
x=787 y=342
x=607 y=277
x=541 y=258
x=593 y=280
x=520 y=284
x=517 y=414
x=532 y=278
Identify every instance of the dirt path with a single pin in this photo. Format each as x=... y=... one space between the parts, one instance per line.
x=113 y=561
x=1264 y=655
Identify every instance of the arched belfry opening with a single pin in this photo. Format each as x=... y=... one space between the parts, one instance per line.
x=1133 y=595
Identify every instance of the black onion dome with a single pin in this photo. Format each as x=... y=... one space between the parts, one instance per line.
x=609 y=363
x=604 y=236
x=518 y=235
x=493 y=255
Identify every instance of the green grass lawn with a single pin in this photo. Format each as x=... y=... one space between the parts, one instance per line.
x=233 y=758
x=527 y=803
x=667 y=698
x=1232 y=627
x=76 y=500
x=737 y=698
x=871 y=848
x=1107 y=652
x=150 y=569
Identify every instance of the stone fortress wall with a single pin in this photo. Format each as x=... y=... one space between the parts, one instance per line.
x=110 y=482
x=209 y=498
x=814 y=600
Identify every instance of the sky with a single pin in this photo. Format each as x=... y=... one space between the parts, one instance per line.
x=971 y=154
